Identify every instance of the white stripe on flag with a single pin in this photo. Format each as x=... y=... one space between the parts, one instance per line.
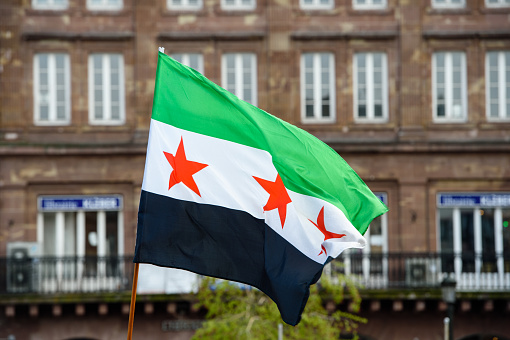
x=228 y=181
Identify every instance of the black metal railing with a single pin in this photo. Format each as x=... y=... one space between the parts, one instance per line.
x=426 y=270
x=66 y=274
x=473 y=272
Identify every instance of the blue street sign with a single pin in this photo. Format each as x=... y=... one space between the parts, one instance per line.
x=75 y=203
x=474 y=200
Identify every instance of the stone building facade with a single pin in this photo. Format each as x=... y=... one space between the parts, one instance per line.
x=414 y=95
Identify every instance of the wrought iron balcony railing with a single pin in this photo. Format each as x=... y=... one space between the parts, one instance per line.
x=60 y=275
x=473 y=272
x=47 y=275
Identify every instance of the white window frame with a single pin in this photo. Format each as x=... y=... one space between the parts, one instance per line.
x=51 y=5
x=316 y=87
x=80 y=238
x=316 y=5
x=238 y=87
x=184 y=5
x=369 y=5
x=499 y=4
x=480 y=279
x=382 y=240
x=106 y=84
x=502 y=84
x=448 y=4
x=449 y=114
x=238 y=5
x=51 y=97
x=104 y=6
x=370 y=90
x=185 y=59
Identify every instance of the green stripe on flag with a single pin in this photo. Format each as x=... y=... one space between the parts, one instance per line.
x=187 y=100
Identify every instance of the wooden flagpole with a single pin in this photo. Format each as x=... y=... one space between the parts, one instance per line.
x=133 y=300
x=135 y=282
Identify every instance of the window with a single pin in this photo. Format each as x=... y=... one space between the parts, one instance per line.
x=239 y=75
x=474 y=238
x=237 y=5
x=370 y=264
x=52 y=100
x=449 y=87
x=184 y=5
x=369 y=4
x=316 y=4
x=81 y=240
x=50 y=4
x=104 y=5
x=193 y=60
x=497 y=3
x=497 y=71
x=448 y=3
x=106 y=89
x=317 y=88
x=370 y=87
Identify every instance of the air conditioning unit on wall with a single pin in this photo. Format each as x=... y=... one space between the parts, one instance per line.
x=22 y=271
x=421 y=272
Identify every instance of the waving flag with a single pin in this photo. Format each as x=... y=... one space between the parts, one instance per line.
x=233 y=192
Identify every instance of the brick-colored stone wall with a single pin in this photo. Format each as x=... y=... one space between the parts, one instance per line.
x=410 y=157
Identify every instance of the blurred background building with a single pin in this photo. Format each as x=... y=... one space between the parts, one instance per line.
x=413 y=94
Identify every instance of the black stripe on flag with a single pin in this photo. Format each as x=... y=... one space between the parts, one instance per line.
x=229 y=244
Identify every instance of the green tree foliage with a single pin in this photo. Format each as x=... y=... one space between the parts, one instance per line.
x=236 y=313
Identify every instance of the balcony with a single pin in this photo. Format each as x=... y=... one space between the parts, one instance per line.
x=51 y=276
x=473 y=272
x=63 y=275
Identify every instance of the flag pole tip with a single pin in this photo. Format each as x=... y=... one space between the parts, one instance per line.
x=161 y=49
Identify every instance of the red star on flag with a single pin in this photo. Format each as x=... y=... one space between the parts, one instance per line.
x=327 y=234
x=278 y=196
x=183 y=169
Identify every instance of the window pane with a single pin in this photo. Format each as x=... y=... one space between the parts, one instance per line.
x=91 y=240
x=194 y=61
x=440 y=110
x=69 y=234
x=506 y=238
x=325 y=110
x=308 y=60
x=440 y=57
x=49 y=244
x=98 y=111
x=488 y=241
x=446 y=237
x=362 y=111
x=377 y=57
x=440 y=77
x=360 y=60
x=309 y=78
x=111 y=243
x=456 y=94
x=494 y=110
x=456 y=59
x=361 y=94
x=309 y=110
x=378 y=110
x=177 y=57
x=456 y=77
x=378 y=77
x=44 y=112
x=468 y=240
x=49 y=237
x=61 y=113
